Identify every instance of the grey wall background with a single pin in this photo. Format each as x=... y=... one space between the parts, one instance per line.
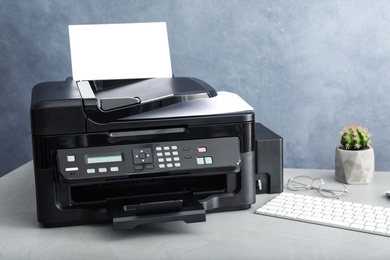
x=307 y=67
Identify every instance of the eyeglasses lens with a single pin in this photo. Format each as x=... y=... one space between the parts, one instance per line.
x=299 y=183
x=331 y=189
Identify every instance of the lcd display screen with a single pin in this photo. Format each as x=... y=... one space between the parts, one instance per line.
x=104 y=159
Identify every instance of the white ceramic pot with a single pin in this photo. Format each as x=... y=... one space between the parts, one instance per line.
x=355 y=166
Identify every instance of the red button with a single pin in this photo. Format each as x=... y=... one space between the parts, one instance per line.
x=202 y=149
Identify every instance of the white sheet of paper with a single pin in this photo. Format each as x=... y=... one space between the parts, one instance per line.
x=119 y=51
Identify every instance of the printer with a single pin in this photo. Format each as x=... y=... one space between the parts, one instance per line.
x=133 y=152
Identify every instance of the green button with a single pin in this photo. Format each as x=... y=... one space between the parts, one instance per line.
x=208 y=160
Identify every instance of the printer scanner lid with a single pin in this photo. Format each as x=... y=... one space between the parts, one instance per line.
x=106 y=101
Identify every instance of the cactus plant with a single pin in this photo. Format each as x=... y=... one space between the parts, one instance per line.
x=354 y=137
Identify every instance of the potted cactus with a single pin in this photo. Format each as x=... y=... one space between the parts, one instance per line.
x=355 y=162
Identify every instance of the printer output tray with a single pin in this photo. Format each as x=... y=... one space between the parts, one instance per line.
x=129 y=213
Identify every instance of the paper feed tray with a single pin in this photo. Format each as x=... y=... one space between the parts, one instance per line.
x=106 y=101
x=129 y=213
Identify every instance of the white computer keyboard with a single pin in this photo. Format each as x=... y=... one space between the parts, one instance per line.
x=330 y=212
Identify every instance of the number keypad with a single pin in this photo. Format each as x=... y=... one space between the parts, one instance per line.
x=168 y=157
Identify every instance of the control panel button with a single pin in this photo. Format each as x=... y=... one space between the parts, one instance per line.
x=208 y=160
x=103 y=169
x=90 y=171
x=114 y=169
x=202 y=149
x=142 y=156
x=138 y=167
x=72 y=169
x=200 y=160
x=71 y=158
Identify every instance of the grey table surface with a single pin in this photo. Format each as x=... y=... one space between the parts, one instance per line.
x=226 y=235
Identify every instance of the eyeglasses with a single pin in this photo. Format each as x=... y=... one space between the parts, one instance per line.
x=329 y=190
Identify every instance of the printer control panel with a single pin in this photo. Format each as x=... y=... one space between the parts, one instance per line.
x=216 y=155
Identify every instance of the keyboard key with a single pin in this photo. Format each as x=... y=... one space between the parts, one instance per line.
x=357 y=226
x=324 y=221
x=292 y=215
x=380 y=230
x=270 y=207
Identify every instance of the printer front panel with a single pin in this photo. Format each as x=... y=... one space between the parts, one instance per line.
x=219 y=170
x=195 y=157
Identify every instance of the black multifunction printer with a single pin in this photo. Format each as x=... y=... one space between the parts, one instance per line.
x=145 y=151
